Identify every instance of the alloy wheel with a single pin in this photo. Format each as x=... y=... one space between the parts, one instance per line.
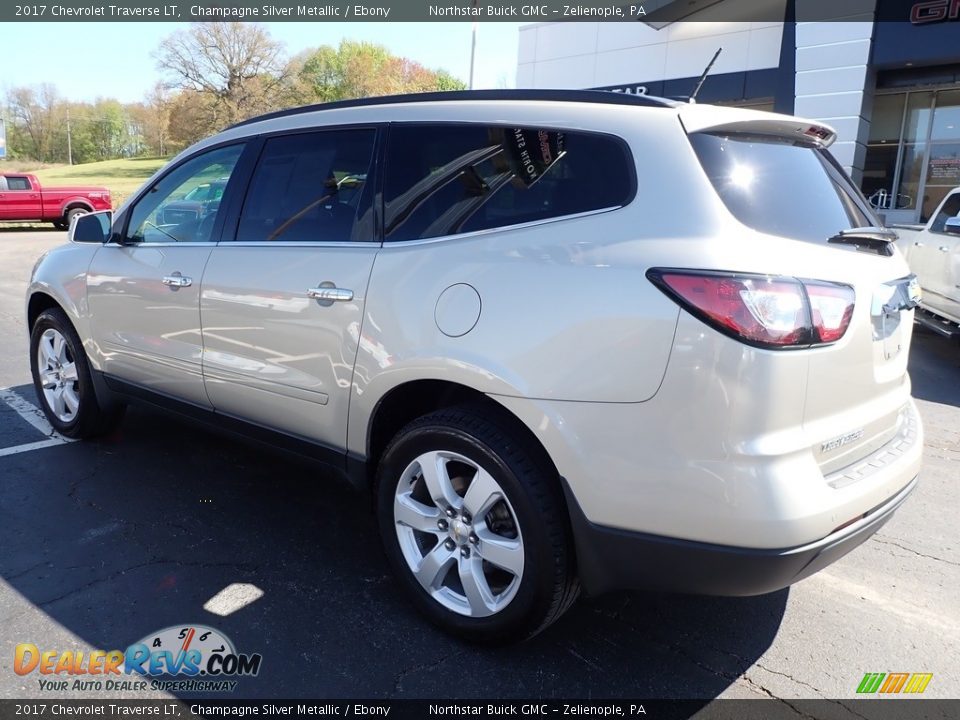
x=459 y=533
x=58 y=375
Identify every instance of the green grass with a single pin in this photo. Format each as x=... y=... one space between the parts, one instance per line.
x=121 y=177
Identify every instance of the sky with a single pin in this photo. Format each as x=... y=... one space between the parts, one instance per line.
x=90 y=60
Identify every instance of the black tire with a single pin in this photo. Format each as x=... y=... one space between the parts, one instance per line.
x=91 y=418
x=547 y=585
x=72 y=213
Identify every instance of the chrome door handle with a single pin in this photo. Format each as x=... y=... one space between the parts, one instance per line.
x=917 y=243
x=177 y=281
x=943 y=248
x=330 y=294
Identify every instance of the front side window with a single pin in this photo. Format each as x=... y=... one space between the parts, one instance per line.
x=311 y=187
x=950 y=209
x=449 y=179
x=182 y=207
x=18 y=183
x=780 y=186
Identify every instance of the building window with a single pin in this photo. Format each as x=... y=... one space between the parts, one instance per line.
x=943 y=167
x=883 y=152
x=913 y=153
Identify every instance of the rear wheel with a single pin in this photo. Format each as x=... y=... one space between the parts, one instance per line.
x=61 y=377
x=72 y=213
x=475 y=527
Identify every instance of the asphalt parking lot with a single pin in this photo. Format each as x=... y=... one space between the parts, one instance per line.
x=102 y=543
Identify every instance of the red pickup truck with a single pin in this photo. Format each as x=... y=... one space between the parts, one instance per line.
x=23 y=200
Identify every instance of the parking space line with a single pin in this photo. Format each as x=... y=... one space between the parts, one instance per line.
x=51 y=442
x=35 y=417
x=908 y=612
x=233 y=598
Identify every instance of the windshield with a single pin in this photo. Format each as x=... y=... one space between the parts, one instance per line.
x=781 y=187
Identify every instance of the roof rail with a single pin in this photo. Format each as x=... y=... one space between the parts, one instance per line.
x=585 y=96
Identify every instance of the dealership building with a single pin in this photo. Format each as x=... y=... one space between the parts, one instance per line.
x=884 y=73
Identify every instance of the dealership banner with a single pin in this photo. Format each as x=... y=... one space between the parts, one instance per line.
x=759 y=709
x=657 y=12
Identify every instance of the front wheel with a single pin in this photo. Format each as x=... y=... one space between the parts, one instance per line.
x=474 y=526
x=61 y=377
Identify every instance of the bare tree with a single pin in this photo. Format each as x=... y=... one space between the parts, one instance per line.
x=38 y=113
x=152 y=117
x=237 y=65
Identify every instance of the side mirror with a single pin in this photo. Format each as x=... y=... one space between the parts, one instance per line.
x=952 y=226
x=91 y=228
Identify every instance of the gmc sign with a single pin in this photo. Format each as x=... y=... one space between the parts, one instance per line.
x=931 y=11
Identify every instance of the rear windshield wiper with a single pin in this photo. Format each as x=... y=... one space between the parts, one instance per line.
x=877 y=240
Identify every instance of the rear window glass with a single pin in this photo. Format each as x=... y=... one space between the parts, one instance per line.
x=781 y=187
x=449 y=179
x=309 y=187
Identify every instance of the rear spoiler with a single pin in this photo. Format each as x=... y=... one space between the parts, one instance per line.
x=713 y=118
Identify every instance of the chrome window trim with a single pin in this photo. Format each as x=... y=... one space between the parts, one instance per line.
x=255 y=243
x=501 y=228
x=207 y=243
x=295 y=243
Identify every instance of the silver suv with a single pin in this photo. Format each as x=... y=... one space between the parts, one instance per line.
x=569 y=339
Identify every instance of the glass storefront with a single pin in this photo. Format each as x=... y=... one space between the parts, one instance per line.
x=913 y=153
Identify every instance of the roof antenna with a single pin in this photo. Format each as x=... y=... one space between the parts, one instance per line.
x=693 y=95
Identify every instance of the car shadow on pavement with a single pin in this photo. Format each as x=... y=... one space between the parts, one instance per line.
x=116 y=539
x=935 y=368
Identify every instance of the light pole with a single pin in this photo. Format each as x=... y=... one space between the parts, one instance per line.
x=473 y=44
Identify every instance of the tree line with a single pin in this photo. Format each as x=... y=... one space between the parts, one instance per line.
x=215 y=74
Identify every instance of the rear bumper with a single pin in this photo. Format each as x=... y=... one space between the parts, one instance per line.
x=614 y=559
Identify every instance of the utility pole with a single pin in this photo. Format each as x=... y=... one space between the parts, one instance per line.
x=69 y=140
x=473 y=44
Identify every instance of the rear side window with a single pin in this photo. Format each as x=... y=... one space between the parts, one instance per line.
x=311 y=187
x=781 y=187
x=449 y=179
x=950 y=209
x=18 y=183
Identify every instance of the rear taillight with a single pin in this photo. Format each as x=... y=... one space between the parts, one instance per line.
x=760 y=310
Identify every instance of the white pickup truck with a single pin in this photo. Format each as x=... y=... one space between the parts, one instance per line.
x=933 y=252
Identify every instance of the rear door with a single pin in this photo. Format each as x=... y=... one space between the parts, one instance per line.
x=952 y=281
x=943 y=260
x=282 y=300
x=144 y=294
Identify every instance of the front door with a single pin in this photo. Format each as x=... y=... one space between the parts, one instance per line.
x=943 y=252
x=19 y=201
x=282 y=301
x=144 y=294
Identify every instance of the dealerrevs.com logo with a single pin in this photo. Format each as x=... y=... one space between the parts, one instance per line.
x=181 y=658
